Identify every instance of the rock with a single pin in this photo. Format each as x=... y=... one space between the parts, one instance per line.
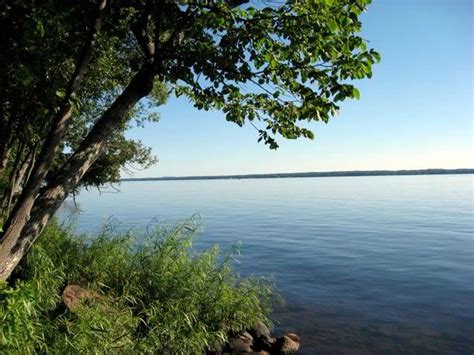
x=240 y=344
x=286 y=345
x=264 y=343
x=74 y=295
x=293 y=336
x=259 y=341
x=246 y=335
x=268 y=338
x=259 y=329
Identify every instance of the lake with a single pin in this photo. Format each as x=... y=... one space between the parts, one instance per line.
x=367 y=265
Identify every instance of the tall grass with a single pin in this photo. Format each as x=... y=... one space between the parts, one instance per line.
x=156 y=296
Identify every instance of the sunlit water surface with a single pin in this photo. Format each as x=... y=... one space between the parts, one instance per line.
x=376 y=265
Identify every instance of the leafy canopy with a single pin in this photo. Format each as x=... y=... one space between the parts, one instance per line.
x=275 y=65
x=279 y=65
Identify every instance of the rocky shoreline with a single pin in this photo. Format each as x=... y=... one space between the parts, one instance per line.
x=256 y=340
x=259 y=340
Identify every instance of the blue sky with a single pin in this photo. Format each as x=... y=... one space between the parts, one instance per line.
x=416 y=112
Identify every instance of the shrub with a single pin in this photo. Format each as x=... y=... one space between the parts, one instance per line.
x=154 y=295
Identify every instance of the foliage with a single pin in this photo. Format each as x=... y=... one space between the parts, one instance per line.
x=279 y=64
x=32 y=92
x=156 y=296
x=272 y=65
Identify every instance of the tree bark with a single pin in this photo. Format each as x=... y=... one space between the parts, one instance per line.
x=18 y=179
x=18 y=238
x=6 y=141
x=31 y=164
x=14 y=170
x=4 y=155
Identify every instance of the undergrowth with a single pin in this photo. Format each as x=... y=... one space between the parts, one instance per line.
x=156 y=296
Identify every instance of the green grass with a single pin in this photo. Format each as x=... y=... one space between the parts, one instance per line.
x=156 y=296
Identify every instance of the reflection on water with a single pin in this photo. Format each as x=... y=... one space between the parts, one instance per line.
x=366 y=264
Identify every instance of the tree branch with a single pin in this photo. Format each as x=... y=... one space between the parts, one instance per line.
x=139 y=30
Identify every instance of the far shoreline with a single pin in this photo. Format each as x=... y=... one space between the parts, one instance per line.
x=350 y=173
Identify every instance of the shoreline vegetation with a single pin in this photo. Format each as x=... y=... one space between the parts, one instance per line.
x=350 y=173
x=123 y=293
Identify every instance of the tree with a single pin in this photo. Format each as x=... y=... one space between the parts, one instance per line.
x=271 y=66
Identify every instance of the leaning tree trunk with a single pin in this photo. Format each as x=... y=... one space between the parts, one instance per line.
x=16 y=241
x=18 y=180
x=13 y=173
x=21 y=212
x=4 y=154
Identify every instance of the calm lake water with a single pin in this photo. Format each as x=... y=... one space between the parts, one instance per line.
x=367 y=265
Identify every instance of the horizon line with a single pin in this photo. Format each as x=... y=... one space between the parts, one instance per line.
x=337 y=173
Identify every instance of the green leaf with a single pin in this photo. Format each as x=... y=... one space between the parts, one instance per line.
x=25 y=76
x=40 y=29
x=356 y=93
x=376 y=55
x=60 y=94
x=333 y=25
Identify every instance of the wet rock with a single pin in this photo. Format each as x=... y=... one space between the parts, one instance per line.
x=240 y=344
x=293 y=336
x=264 y=343
x=246 y=335
x=249 y=343
x=287 y=345
x=268 y=338
x=259 y=329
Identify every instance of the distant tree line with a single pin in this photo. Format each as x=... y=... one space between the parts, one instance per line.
x=312 y=174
